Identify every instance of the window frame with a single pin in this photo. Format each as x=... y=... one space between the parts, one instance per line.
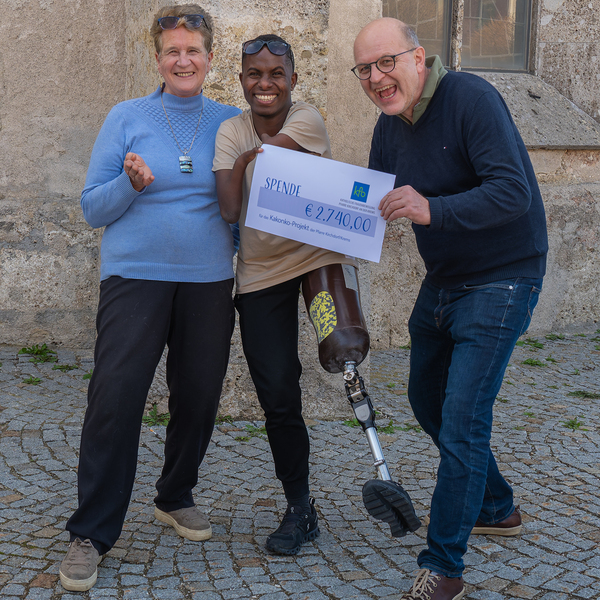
x=455 y=40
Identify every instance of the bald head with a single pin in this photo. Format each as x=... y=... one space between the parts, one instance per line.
x=387 y=26
x=394 y=64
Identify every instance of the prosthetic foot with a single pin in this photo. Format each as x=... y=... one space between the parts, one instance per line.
x=385 y=499
x=332 y=300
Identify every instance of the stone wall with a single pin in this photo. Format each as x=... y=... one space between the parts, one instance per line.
x=570 y=184
x=60 y=72
x=65 y=64
x=568 y=50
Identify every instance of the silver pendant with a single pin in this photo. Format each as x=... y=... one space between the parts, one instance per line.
x=185 y=164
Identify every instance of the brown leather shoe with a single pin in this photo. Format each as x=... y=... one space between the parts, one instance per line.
x=428 y=586
x=509 y=526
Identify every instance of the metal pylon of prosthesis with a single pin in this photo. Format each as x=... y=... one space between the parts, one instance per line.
x=385 y=499
x=365 y=415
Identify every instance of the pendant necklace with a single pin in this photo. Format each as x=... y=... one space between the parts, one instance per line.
x=185 y=161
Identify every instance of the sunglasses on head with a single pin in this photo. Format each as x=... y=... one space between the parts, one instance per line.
x=274 y=46
x=195 y=21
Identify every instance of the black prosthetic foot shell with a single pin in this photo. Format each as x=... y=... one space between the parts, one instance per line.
x=388 y=501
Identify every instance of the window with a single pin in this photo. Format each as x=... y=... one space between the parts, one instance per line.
x=495 y=33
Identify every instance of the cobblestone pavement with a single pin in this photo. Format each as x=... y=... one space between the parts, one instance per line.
x=546 y=437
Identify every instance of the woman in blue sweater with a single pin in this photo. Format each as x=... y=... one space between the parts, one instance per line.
x=166 y=279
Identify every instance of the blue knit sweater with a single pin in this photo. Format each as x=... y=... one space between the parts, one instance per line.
x=172 y=230
x=465 y=155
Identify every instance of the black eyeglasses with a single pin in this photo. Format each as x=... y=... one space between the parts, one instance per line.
x=195 y=21
x=385 y=64
x=274 y=46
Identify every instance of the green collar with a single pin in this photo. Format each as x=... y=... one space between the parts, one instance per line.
x=436 y=72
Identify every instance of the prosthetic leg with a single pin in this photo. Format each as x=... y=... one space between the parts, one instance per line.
x=332 y=300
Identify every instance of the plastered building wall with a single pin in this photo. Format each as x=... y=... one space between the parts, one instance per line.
x=64 y=64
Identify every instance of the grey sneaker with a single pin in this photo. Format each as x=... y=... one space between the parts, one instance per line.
x=78 y=570
x=189 y=522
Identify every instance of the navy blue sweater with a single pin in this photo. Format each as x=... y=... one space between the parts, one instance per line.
x=467 y=158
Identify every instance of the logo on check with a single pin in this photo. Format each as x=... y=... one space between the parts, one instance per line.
x=360 y=191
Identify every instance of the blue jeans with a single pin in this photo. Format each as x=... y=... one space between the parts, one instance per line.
x=461 y=341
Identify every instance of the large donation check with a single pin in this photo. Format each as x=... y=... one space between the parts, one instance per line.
x=318 y=201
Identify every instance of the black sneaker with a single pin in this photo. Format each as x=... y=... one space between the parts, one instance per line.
x=299 y=525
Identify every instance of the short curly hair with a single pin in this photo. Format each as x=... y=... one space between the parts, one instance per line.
x=181 y=10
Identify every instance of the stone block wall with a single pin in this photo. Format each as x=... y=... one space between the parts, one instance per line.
x=61 y=70
x=568 y=51
x=570 y=184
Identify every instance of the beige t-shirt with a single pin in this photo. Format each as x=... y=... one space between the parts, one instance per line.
x=265 y=259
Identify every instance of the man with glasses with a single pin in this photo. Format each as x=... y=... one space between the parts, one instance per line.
x=270 y=269
x=464 y=179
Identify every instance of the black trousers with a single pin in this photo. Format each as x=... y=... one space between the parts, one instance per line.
x=269 y=329
x=136 y=318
